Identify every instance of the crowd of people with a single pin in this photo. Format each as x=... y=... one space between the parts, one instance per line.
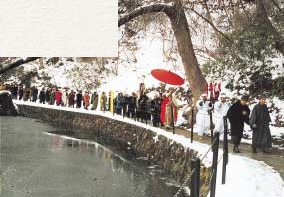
x=162 y=110
x=238 y=114
x=136 y=105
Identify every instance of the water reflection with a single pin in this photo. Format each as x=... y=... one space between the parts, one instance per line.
x=35 y=163
x=153 y=187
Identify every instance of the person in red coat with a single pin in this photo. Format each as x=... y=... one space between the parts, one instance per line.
x=58 y=96
x=168 y=104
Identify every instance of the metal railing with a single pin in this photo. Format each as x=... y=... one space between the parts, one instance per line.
x=194 y=175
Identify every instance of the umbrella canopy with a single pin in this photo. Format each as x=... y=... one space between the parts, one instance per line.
x=167 y=77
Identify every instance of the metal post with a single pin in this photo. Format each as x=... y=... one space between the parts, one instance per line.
x=226 y=138
x=211 y=126
x=113 y=108
x=192 y=113
x=214 y=165
x=146 y=113
x=195 y=178
x=225 y=150
x=135 y=115
x=173 y=122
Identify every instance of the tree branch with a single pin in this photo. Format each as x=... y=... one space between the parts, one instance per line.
x=167 y=9
x=211 y=24
x=4 y=68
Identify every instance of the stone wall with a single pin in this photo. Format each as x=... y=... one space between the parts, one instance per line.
x=167 y=154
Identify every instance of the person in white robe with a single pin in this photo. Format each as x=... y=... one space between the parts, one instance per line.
x=202 y=117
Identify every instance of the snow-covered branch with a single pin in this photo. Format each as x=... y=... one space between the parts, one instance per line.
x=19 y=62
x=168 y=9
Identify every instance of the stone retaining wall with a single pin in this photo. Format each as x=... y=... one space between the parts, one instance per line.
x=167 y=154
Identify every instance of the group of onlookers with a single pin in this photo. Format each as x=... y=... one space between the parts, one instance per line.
x=144 y=108
x=136 y=105
x=57 y=96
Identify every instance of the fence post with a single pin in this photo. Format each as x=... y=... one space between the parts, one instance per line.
x=211 y=126
x=195 y=178
x=172 y=119
x=215 y=148
x=225 y=150
x=113 y=108
x=192 y=113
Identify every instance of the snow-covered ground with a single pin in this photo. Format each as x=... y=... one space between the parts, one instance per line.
x=245 y=177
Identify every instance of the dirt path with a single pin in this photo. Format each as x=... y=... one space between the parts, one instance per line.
x=274 y=159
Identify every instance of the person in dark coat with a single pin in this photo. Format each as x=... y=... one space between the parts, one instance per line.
x=142 y=106
x=34 y=94
x=14 y=91
x=132 y=105
x=238 y=114
x=79 y=98
x=259 y=121
x=119 y=103
x=21 y=92
x=52 y=96
x=71 y=99
x=47 y=95
x=156 y=110
x=42 y=96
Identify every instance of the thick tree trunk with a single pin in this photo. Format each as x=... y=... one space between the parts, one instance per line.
x=4 y=68
x=185 y=48
x=180 y=27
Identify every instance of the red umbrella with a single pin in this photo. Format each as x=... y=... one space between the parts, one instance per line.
x=167 y=77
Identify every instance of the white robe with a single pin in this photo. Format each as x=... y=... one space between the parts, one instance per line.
x=220 y=110
x=202 y=117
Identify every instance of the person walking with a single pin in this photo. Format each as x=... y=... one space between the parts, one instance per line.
x=259 y=121
x=202 y=117
x=238 y=114
x=221 y=108
x=171 y=112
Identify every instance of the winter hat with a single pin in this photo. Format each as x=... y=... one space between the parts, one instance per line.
x=223 y=95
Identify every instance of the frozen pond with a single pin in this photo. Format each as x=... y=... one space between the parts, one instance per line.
x=37 y=164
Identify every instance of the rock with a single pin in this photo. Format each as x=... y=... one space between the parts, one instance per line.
x=7 y=107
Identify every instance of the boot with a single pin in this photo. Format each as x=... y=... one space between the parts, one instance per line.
x=254 y=150
x=236 y=149
x=265 y=150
